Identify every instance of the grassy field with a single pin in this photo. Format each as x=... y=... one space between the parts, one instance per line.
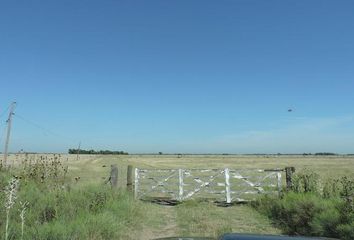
x=91 y=168
x=192 y=218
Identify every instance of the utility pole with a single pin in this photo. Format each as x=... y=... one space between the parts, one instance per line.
x=9 y=122
x=78 y=152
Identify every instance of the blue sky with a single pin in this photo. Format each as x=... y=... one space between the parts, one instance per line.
x=179 y=76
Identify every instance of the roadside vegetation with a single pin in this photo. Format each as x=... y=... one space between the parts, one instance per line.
x=314 y=207
x=40 y=198
x=87 y=213
x=46 y=203
x=39 y=203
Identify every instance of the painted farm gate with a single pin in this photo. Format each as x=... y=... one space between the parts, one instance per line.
x=224 y=185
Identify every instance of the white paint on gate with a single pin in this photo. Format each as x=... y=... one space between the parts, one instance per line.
x=223 y=184
x=227 y=185
x=180 y=177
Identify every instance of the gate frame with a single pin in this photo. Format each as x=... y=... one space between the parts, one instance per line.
x=180 y=195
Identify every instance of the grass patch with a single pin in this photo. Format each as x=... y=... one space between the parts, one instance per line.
x=91 y=212
x=314 y=207
x=206 y=219
x=309 y=214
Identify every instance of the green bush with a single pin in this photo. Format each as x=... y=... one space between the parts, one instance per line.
x=347 y=187
x=346 y=230
x=313 y=207
x=306 y=181
x=309 y=214
x=331 y=188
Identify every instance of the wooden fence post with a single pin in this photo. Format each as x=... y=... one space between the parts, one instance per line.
x=113 y=178
x=289 y=174
x=227 y=185
x=180 y=177
x=130 y=178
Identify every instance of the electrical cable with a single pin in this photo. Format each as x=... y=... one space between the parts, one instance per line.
x=44 y=130
x=2 y=135
x=3 y=113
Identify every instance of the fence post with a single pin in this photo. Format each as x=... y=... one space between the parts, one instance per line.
x=113 y=178
x=136 y=183
x=227 y=185
x=180 y=176
x=130 y=178
x=279 y=183
x=289 y=175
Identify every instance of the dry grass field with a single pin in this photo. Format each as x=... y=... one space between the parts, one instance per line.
x=93 y=168
x=191 y=218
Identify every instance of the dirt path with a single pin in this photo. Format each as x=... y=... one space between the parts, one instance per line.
x=162 y=223
x=203 y=219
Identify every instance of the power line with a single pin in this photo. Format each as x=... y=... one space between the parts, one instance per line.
x=5 y=111
x=34 y=125
x=3 y=134
x=45 y=130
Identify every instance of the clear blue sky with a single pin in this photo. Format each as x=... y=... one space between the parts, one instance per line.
x=179 y=76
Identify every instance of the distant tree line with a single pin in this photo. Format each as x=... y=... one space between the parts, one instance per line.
x=325 y=153
x=91 y=151
x=321 y=154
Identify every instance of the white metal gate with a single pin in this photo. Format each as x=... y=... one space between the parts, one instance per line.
x=227 y=185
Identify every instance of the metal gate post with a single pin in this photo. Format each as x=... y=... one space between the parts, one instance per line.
x=136 y=183
x=227 y=185
x=279 y=183
x=180 y=176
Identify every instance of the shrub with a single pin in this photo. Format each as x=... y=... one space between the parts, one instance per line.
x=293 y=213
x=346 y=230
x=347 y=187
x=331 y=188
x=306 y=181
x=326 y=222
x=309 y=214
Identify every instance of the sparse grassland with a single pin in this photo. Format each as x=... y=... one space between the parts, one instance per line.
x=88 y=209
x=90 y=168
